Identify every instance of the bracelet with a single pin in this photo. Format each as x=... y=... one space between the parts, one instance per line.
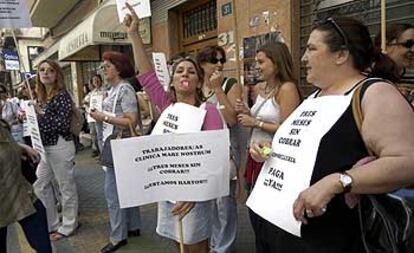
x=261 y=124
x=258 y=123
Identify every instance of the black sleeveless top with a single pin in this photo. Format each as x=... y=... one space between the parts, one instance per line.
x=338 y=229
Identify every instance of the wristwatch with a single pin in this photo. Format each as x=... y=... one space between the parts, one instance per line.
x=346 y=180
x=106 y=119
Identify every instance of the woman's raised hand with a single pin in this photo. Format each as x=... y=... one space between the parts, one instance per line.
x=216 y=80
x=131 y=21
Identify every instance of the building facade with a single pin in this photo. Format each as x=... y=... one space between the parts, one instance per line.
x=81 y=30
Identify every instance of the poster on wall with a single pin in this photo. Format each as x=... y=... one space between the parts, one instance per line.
x=250 y=46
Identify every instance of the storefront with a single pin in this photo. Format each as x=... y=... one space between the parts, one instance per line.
x=99 y=32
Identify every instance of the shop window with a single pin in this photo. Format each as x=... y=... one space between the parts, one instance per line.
x=67 y=77
x=89 y=69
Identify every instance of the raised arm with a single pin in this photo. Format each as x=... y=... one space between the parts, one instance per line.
x=131 y=22
x=227 y=101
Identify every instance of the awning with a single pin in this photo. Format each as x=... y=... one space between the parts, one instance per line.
x=84 y=42
x=47 y=13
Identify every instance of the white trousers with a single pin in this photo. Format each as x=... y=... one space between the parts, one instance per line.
x=58 y=164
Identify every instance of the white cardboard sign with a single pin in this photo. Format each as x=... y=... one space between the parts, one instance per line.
x=95 y=103
x=161 y=69
x=178 y=167
x=289 y=169
x=141 y=7
x=34 y=129
x=14 y=14
x=179 y=118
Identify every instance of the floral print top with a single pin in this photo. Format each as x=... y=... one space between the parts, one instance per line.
x=54 y=121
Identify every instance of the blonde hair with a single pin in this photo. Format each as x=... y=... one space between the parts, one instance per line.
x=42 y=95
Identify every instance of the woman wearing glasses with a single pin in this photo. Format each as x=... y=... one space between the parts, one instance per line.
x=185 y=88
x=223 y=92
x=338 y=54
x=120 y=108
x=399 y=46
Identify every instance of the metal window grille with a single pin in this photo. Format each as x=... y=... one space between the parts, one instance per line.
x=368 y=11
x=200 y=20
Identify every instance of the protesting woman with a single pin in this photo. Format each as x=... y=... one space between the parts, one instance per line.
x=338 y=53
x=119 y=110
x=19 y=203
x=278 y=97
x=9 y=111
x=223 y=92
x=185 y=87
x=399 y=46
x=97 y=92
x=54 y=110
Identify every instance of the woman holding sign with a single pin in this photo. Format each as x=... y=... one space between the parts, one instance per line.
x=185 y=88
x=278 y=97
x=311 y=169
x=119 y=110
x=93 y=101
x=54 y=114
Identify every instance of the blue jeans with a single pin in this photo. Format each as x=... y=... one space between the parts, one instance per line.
x=35 y=228
x=224 y=222
x=99 y=135
x=122 y=220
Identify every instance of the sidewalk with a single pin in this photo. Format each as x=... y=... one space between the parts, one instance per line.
x=94 y=230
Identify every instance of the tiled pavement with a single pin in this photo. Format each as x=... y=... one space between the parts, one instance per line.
x=94 y=230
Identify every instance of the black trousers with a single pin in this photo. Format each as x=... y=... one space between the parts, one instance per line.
x=271 y=239
x=36 y=231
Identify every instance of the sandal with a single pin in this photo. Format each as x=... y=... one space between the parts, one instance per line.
x=56 y=236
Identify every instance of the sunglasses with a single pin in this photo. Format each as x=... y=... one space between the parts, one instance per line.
x=407 y=44
x=214 y=60
x=338 y=29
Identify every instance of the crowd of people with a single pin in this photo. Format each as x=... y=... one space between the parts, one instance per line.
x=339 y=57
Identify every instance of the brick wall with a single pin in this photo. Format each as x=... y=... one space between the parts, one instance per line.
x=283 y=16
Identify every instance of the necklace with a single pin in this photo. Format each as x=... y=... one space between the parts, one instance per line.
x=268 y=90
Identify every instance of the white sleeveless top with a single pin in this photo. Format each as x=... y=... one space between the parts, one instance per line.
x=269 y=112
